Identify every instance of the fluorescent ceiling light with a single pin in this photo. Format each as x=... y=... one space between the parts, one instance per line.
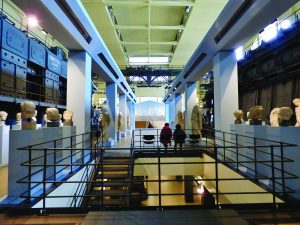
x=148 y=60
x=286 y=24
x=32 y=21
x=239 y=53
x=269 y=33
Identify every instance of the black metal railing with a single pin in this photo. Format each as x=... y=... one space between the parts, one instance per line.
x=209 y=164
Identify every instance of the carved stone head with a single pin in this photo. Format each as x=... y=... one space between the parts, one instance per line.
x=52 y=114
x=27 y=110
x=3 y=115
x=274 y=117
x=68 y=115
x=255 y=112
x=285 y=113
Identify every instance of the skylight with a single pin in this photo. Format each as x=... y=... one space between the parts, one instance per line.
x=148 y=60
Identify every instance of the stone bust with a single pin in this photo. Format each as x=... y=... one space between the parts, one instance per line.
x=296 y=102
x=180 y=119
x=105 y=122
x=196 y=120
x=119 y=121
x=18 y=118
x=3 y=117
x=52 y=114
x=238 y=114
x=284 y=116
x=255 y=115
x=274 y=117
x=68 y=115
x=27 y=110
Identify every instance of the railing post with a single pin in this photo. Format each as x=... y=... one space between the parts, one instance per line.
x=255 y=158
x=216 y=174
x=224 y=152
x=71 y=140
x=282 y=169
x=159 y=180
x=54 y=160
x=237 y=151
x=44 y=178
x=83 y=148
x=29 y=176
x=273 y=174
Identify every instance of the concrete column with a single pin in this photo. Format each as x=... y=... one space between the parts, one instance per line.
x=132 y=118
x=111 y=96
x=129 y=112
x=79 y=90
x=172 y=113
x=225 y=89
x=167 y=114
x=178 y=106
x=190 y=102
x=123 y=110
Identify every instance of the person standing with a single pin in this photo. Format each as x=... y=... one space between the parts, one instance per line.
x=166 y=135
x=179 y=137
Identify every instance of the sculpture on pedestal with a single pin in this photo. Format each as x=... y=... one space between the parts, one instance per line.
x=196 y=120
x=105 y=121
x=238 y=114
x=18 y=119
x=296 y=102
x=274 y=122
x=68 y=116
x=53 y=117
x=3 y=117
x=180 y=119
x=255 y=115
x=128 y=122
x=27 y=112
x=284 y=116
x=119 y=121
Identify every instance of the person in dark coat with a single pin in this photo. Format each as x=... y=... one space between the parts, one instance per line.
x=166 y=135
x=179 y=137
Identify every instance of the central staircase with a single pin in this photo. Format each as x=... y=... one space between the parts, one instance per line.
x=111 y=183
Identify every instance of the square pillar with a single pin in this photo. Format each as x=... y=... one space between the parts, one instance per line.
x=167 y=114
x=190 y=102
x=225 y=89
x=79 y=89
x=178 y=107
x=172 y=113
x=129 y=112
x=132 y=115
x=111 y=96
x=123 y=110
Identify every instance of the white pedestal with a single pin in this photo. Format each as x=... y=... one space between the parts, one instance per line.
x=16 y=127
x=119 y=135
x=289 y=135
x=4 y=144
x=23 y=138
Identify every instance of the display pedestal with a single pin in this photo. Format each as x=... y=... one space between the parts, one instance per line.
x=4 y=144
x=108 y=143
x=123 y=134
x=128 y=132
x=23 y=138
x=279 y=134
x=119 y=135
x=67 y=144
x=17 y=127
x=28 y=125
x=53 y=124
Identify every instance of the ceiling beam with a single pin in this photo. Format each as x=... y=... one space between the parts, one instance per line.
x=120 y=27
x=144 y=53
x=145 y=3
x=151 y=43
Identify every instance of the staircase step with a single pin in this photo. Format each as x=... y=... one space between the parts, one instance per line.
x=119 y=168
x=112 y=176
x=114 y=192
x=107 y=202
x=111 y=184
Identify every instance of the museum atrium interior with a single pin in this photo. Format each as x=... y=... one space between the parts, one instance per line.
x=149 y=112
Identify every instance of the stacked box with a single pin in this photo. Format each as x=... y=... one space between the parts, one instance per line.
x=14 y=54
x=51 y=87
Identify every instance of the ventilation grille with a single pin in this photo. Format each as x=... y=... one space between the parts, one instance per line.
x=199 y=59
x=236 y=16
x=106 y=63
x=73 y=18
